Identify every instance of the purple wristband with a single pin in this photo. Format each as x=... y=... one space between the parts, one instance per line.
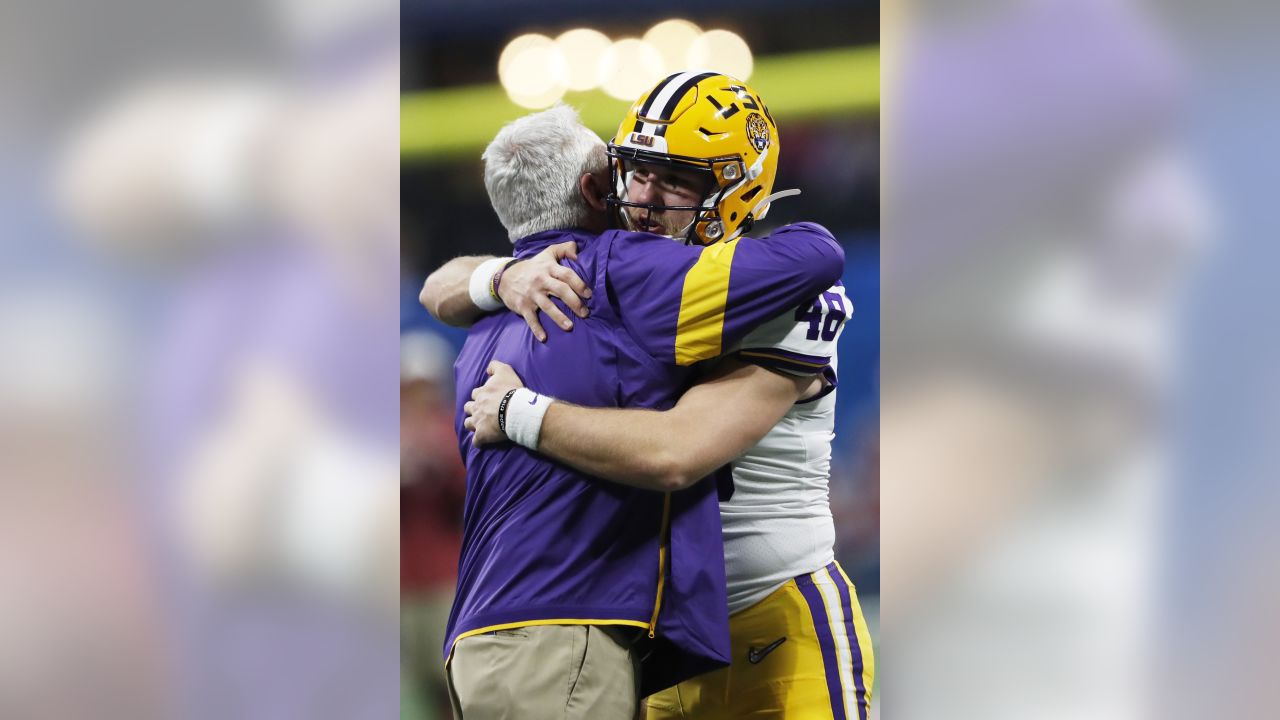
x=497 y=279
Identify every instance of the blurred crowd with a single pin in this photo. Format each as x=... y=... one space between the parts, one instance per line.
x=432 y=489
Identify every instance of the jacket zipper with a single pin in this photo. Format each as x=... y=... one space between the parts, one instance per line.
x=663 y=541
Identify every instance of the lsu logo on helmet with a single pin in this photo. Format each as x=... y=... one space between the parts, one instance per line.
x=758 y=132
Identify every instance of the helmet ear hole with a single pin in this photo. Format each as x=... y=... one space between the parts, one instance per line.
x=733 y=216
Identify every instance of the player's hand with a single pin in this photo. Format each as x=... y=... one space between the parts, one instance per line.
x=482 y=410
x=528 y=286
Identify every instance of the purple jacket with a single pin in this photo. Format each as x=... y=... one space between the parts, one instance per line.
x=545 y=544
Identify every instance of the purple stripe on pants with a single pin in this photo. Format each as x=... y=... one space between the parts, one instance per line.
x=846 y=602
x=826 y=642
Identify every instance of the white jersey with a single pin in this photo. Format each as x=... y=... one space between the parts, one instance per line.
x=778 y=523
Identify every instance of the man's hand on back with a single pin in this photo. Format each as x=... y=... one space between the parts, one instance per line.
x=529 y=285
x=482 y=410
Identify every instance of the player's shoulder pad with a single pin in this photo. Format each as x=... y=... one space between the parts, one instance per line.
x=814 y=244
x=807 y=227
x=809 y=232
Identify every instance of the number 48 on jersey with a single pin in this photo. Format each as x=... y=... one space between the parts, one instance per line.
x=825 y=316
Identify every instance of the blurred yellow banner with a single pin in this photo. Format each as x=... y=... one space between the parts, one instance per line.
x=461 y=121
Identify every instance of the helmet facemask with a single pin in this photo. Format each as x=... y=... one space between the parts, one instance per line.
x=703 y=225
x=712 y=123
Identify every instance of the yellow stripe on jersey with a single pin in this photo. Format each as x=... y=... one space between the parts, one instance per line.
x=702 y=305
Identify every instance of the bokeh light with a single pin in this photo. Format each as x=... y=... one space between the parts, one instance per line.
x=533 y=71
x=723 y=51
x=517 y=46
x=629 y=67
x=673 y=39
x=582 y=49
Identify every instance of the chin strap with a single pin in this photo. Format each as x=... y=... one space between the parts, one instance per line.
x=764 y=202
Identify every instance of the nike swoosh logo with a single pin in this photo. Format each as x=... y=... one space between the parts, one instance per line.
x=534 y=401
x=755 y=655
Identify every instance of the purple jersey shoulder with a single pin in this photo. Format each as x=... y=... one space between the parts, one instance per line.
x=684 y=304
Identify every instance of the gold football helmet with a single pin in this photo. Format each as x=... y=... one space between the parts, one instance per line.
x=709 y=123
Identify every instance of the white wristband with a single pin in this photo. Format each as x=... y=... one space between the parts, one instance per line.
x=525 y=412
x=481 y=280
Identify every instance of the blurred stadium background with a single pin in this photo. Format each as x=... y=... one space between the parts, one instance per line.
x=468 y=68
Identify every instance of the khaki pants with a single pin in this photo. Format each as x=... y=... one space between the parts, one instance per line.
x=560 y=672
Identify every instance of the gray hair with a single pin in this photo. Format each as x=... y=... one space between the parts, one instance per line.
x=532 y=168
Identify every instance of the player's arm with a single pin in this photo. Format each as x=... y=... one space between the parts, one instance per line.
x=465 y=288
x=446 y=293
x=714 y=422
